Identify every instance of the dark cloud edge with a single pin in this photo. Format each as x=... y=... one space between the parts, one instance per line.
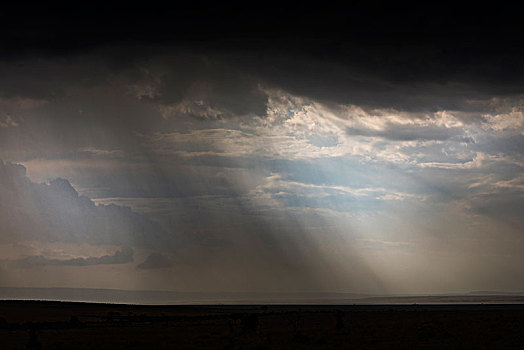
x=122 y=256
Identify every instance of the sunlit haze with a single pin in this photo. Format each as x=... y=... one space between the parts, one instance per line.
x=279 y=160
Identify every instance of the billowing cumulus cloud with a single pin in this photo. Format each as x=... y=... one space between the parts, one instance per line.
x=55 y=212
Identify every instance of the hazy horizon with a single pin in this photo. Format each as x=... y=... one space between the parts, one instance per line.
x=145 y=297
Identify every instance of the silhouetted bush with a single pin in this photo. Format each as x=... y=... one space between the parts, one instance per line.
x=340 y=321
x=33 y=343
x=74 y=322
x=249 y=323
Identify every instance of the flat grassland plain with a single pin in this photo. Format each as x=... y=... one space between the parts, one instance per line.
x=74 y=325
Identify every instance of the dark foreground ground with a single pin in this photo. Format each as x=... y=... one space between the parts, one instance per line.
x=65 y=325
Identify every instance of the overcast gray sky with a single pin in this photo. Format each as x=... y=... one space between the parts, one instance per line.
x=233 y=166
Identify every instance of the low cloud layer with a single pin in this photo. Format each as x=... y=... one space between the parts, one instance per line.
x=155 y=261
x=123 y=256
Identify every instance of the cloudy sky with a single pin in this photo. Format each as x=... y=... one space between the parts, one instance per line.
x=274 y=148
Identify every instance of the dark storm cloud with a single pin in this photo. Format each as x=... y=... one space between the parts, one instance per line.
x=210 y=87
x=419 y=58
x=40 y=78
x=123 y=256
